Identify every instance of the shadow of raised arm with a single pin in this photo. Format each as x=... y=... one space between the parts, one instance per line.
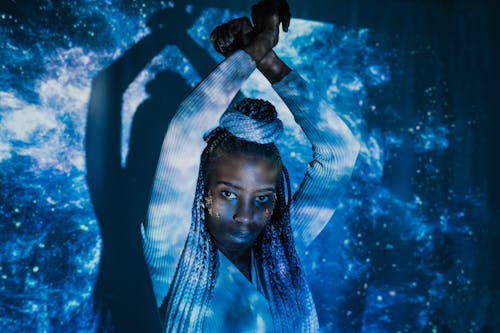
x=123 y=289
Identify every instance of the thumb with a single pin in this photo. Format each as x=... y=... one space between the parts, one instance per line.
x=285 y=15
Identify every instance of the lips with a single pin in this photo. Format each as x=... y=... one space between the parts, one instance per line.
x=242 y=235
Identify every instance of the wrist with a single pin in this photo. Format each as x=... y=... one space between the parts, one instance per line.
x=261 y=45
x=273 y=68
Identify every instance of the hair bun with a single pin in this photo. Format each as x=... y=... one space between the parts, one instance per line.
x=257 y=109
x=253 y=120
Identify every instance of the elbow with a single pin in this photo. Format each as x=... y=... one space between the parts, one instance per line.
x=346 y=153
x=338 y=157
x=345 y=158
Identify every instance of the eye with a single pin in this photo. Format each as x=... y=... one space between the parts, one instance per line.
x=228 y=195
x=263 y=199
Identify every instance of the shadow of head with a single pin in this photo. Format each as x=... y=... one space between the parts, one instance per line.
x=176 y=19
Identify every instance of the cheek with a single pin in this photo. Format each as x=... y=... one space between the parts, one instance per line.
x=209 y=201
x=211 y=206
x=216 y=208
x=264 y=214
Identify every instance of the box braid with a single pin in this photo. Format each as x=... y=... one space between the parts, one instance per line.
x=292 y=308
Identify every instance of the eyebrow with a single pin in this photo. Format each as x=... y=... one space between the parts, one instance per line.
x=271 y=189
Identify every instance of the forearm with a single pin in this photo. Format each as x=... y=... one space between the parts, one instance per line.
x=334 y=153
x=273 y=68
x=260 y=47
x=125 y=69
x=329 y=135
x=309 y=110
x=214 y=94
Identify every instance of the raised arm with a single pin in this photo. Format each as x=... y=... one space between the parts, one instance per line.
x=184 y=143
x=122 y=285
x=167 y=223
x=103 y=131
x=334 y=147
x=334 y=151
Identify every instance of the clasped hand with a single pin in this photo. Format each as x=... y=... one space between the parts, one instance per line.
x=257 y=39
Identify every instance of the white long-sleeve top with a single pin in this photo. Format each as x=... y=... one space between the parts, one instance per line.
x=169 y=215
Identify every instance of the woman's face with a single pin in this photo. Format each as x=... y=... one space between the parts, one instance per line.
x=240 y=199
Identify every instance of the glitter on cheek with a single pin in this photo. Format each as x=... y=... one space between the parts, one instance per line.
x=209 y=204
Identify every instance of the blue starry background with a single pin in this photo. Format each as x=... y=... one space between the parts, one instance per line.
x=412 y=245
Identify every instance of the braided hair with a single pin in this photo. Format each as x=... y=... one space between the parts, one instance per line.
x=250 y=128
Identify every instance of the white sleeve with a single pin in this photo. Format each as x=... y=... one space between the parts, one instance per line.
x=334 y=154
x=169 y=211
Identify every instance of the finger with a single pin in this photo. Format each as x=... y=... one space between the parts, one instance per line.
x=221 y=45
x=216 y=41
x=259 y=12
x=246 y=25
x=245 y=33
x=282 y=9
x=226 y=37
x=273 y=10
x=285 y=15
x=255 y=19
x=233 y=26
x=213 y=35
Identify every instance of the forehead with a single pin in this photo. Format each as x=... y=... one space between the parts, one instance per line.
x=249 y=172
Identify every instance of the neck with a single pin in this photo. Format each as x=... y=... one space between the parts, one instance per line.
x=240 y=258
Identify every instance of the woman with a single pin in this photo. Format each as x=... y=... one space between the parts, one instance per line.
x=243 y=209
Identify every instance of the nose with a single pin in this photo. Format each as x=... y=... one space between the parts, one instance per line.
x=243 y=213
